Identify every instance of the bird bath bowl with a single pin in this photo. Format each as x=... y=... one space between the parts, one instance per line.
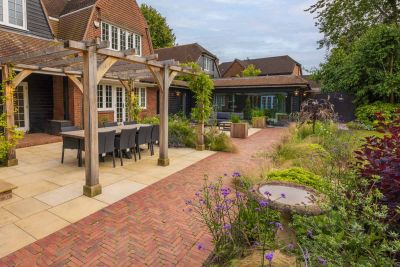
x=289 y=199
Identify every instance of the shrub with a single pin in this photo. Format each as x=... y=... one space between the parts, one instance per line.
x=257 y=113
x=235 y=118
x=366 y=113
x=180 y=133
x=247 y=110
x=298 y=176
x=313 y=110
x=356 y=125
x=150 y=120
x=217 y=140
x=236 y=220
x=379 y=160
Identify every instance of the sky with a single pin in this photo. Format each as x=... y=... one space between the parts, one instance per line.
x=245 y=29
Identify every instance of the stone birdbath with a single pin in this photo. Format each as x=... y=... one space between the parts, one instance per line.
x=289 y=199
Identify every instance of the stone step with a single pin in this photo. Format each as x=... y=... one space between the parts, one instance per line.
x=6 y=190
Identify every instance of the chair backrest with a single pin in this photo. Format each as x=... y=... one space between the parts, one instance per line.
x=110 y=124
x=130 y=122
x=128 y=138
x=69 y=129
x=144 y=135
x=155 y=133
x=106 y=142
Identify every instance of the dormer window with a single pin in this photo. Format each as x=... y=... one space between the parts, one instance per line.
x=120 y=39
x=208 y=63
x=13 y=13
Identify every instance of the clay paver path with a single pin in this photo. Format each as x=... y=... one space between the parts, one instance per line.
x=148 y=228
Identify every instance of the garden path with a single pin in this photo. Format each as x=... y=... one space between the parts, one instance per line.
x=148 y=228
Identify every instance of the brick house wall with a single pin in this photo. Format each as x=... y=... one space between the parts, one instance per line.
x=151 y=109
x=107 y=116
x=75 y=105
x=58 y=98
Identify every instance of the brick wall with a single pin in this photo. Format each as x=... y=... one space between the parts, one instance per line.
x=75 y=105
x=106 y=116
x=58 y=98
x=151 y=109
x=125 y=14
x=234 y=70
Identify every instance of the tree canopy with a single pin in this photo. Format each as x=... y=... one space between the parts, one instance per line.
x=161 y=33
x=251 y=71
x=369 y=68
x=343 y=21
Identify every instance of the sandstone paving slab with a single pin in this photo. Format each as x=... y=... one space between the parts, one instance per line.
x=7 y=217
x=26 y=207
x=118 y=191
x=62 y=194
x=12 y=238
x=35 y=188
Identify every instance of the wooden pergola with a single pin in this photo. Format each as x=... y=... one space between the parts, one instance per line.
x=86 y=64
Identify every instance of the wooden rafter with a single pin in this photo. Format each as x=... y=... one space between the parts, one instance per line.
x=104 y=67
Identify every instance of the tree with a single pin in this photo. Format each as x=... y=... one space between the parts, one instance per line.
x=369 y=69
x=343 y=21
x=251 y=71
x=161 y=34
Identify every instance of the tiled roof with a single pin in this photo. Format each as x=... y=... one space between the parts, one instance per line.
x=268 y=81
x=279 y=65
x=74 y=5
x=12 y=43
x=73 y=26
x=54 y=7
x=313 y=83
x=183 y=53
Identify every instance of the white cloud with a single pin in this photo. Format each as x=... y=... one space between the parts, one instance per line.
x=245 y=29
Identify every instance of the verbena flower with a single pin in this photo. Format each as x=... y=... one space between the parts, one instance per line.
x=227 y=226
x=268 y=194
x=263 y=203
x=225 y=191
x=279 y=226
x=269 y=256
x=236 y=174
x=322 y=261
x=310 y=233
x=188 y=202
x=256 y=244
x=290 y=246
x=200 y=246
x=283 y=195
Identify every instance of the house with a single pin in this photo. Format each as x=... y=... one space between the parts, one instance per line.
x=29 y=25
x=281 y=65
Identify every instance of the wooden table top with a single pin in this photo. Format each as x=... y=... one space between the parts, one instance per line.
x=80 y=134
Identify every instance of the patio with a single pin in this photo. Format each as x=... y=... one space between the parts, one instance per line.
x=49 y=195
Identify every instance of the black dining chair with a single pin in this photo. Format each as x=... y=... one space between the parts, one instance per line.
x=111 y=124
x=155 y=137
x=69 y=142
x=130 y=122
x=143 y=137
x=125 y=141
x=107 y=144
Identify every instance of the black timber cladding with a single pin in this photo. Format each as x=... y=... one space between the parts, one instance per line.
x=36 y=21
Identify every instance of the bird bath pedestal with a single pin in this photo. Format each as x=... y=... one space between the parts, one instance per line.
x=289 y=199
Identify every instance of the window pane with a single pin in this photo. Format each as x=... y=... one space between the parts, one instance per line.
x=123 y=40
x=114 y=38
x=138 y=44
x=130 y=41
x=105 y=31
x=15 y=12
x=143 y=97
x=108 y=96
x=1 y=10
x=99 y=96
x=120 y=104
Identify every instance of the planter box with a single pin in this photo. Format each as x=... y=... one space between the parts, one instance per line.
x=259 y=122
x=239 y=130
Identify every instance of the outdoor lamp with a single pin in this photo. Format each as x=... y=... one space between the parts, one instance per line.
x=296 y=93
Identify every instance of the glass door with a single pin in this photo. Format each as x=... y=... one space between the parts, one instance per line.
x=120 y=104
x=21 y=101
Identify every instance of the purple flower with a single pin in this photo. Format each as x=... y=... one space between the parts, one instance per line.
x=256 y=244
x=238 y=195
x=218 y=208
x=200 y=246
x=236 y=174
x=188 y=202
x=269 y=256
x=268 y=194
x=225 y=174
x=279 y=226
x=227 y=226
x=197 y=194
x=263 y=203
x=310 y=233
x=225 y=191
x=257 y=209
x=202 y=202
x=283 y=195
x=290 y=246
x=322 y=261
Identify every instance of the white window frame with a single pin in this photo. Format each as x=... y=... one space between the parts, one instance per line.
x=104 y=97
x=6 y=17
x=269 y=99
x=135 y=38
x=139 y=91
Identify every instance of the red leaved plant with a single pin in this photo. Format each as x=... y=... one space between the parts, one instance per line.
x=379 y=160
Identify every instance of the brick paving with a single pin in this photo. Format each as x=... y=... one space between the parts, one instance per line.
x=37 y=139
x=148 y=228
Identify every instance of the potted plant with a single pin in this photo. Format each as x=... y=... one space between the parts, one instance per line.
x=239 y=129
x=258 y=119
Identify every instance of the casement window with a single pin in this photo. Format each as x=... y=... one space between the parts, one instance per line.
x=219 y=101
x=268 y=102
x=120 y=39
x=141 y=93
x=13 y=13
x=104 y=97
x=208 y=63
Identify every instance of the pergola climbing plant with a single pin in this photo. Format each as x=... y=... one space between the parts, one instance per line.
x=133 y=107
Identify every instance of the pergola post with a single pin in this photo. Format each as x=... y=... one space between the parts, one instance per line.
x=92 y=187
x=11 y=159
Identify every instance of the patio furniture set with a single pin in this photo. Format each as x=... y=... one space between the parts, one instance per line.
x=113 y=139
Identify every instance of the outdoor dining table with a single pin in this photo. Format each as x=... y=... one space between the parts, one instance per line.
x=80 y=135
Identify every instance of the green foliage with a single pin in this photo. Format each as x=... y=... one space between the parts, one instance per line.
x=202 y=86
x=150 y=120
x=356 y=125
x=257 y=113
x=217 y=140
x=251 y=71
x=235 y=118
x=366 y=114
x=180 y=132
x=247 y=111
x=369 y=69
x=161 y=34
x=342 y=21
x=133 y=107
x=298 y=176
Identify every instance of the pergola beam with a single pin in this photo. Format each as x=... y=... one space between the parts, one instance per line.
x=104 y=67
x=74 y=79
x=20 y=77
x=63 y=62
